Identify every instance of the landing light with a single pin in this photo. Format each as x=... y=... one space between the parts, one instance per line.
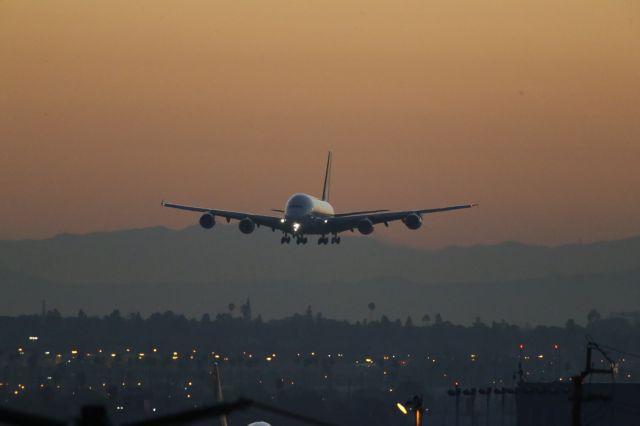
x=296 y=226
x=401 y=408
x=283 y=220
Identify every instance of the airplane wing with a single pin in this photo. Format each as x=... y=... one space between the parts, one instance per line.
x=344 y=223
x=358 y=213
x=260 y=220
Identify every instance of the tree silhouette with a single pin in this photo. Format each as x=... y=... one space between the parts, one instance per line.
x=426 y=319
x=409 y=322
x=438 y=319
x=593 y=316
x=232 y=307
x=246 y=310
x=372 y=307
x=308 y=313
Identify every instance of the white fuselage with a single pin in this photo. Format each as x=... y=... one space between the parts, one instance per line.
x=302 y=206
x=305 y=214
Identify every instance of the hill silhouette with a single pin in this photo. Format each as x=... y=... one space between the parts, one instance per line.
x=195 y=271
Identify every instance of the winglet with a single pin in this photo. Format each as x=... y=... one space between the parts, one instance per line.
x=327 y=179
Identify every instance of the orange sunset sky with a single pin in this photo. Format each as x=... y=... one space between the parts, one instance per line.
x=531 y=108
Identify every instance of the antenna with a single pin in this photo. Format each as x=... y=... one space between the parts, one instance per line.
x=577 y=398
x=327 y=180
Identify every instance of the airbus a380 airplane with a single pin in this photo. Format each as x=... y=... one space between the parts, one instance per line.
x=306 y=215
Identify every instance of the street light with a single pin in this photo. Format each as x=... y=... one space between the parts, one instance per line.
x=456 y=391
x=415 y=405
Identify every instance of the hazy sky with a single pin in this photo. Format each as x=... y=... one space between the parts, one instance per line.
x=531 y=108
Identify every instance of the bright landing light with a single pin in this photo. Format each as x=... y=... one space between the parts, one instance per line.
x=401 y=408
x=296 y=226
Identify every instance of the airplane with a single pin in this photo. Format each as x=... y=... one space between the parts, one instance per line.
x=307 y=215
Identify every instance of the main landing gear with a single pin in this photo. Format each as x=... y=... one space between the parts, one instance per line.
x=285 y=239
x=301 y=239
x=325 y=240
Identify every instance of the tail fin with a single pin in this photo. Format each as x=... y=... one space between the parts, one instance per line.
x=327 y=180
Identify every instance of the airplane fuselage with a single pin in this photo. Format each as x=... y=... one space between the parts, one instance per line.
x=306 y=214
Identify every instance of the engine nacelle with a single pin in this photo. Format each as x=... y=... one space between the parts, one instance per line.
x=365 y=226
x=413 y=221
x=247 y=226
x=207 y=221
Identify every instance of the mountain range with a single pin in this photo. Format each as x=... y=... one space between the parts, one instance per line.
x=193 y=271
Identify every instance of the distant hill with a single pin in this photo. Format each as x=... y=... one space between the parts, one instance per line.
x=194 y=271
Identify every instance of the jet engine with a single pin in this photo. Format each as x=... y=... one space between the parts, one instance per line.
x=365 y=226
x=246 y=225
x=413 y=221
x=207 y=221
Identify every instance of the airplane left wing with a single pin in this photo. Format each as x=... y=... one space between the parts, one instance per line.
x=260 y=220
x=344 y=223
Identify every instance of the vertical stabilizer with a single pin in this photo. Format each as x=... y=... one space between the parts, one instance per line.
x=218 y=392
x=327 y=180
